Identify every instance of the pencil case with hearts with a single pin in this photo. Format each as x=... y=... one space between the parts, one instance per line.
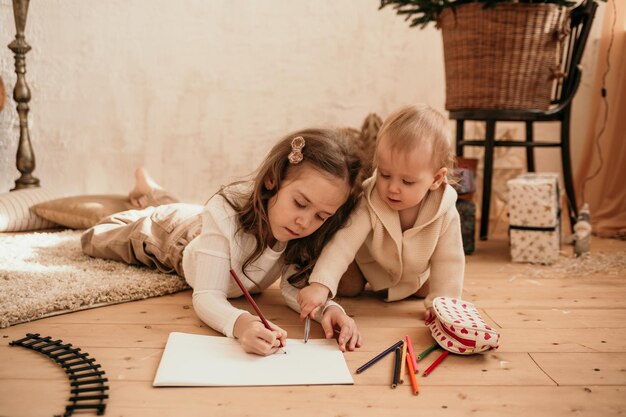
x=459 y=328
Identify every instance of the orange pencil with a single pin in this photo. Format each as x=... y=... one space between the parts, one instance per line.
x=436 y=363
x=409 y=363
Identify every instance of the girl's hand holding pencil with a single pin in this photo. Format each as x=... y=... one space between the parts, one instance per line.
x=256 y=338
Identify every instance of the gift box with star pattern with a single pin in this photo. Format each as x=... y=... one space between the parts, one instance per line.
x=534 y=218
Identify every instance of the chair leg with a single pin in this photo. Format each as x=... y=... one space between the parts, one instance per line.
x=530 y=155
x=490 y=133
x=460 y=136
x=568 y=180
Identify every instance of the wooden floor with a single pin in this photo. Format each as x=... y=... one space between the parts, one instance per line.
x=562 y=352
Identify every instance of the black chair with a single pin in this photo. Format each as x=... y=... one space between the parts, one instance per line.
x=565 y=90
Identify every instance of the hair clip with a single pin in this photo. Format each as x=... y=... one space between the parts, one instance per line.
x=295 y=156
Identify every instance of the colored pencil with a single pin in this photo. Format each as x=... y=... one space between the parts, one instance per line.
x=396 y=368
x=307 y=328
x=409 y=363
x=378 y=357
x=427 y=351
x=251 y=301
x=403 y=364
x=412 y=354
x=437 y=361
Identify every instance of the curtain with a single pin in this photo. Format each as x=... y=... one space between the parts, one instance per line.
x=601 y=177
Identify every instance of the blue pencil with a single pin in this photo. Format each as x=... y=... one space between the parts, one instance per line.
x=379 y=356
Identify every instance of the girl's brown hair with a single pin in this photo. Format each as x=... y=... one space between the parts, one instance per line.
x=326 y=150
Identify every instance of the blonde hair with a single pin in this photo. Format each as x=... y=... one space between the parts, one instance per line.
x=419 y=126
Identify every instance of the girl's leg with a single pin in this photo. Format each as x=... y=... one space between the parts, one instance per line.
x=155 y=236
x=352 y=282
x=111 y=238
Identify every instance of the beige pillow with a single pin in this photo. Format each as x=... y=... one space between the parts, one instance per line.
x=81 y=211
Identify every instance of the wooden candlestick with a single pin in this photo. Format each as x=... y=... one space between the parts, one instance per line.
x=25 y=158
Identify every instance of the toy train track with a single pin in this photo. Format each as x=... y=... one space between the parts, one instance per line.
x=88 y=387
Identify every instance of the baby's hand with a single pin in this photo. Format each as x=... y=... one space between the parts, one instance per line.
x=429 y=316
x=255 y=338
x=349 y=336
x=311 y=298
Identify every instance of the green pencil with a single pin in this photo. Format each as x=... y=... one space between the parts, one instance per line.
x=427 y=351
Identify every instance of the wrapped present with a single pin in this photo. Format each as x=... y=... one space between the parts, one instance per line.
x=466 y=177
x=467 y=211
x=534 y=218
x=463 y=181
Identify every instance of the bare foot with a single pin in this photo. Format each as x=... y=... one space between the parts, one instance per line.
x=144 y=186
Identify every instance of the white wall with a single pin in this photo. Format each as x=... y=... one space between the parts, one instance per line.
x=198 y=90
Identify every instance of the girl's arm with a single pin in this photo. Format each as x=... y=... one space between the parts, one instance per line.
x=210 y=302
x=210 y=291
x=206 y=262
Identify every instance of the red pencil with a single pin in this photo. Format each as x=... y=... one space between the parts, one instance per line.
x=436 y=363
x=251 y=301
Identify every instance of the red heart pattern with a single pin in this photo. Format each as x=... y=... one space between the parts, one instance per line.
x=454 y=320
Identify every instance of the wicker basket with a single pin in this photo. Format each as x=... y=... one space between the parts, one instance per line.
x=501 y=58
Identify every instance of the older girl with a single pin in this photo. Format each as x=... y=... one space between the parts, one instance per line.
x=274 y=225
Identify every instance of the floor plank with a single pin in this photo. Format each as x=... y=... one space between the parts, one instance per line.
x=584 y=368
x=558 y=318
x=133 y=398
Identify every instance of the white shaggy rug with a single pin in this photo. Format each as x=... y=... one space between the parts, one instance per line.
x=45 y=274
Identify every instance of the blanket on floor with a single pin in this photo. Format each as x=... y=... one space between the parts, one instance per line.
x=45 y=274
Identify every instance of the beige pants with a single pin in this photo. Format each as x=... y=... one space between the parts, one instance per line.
x=154 y=236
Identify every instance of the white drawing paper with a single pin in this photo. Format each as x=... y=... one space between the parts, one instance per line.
x=198 y=360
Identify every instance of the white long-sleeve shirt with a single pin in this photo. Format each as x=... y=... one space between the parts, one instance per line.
x=207 y=261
